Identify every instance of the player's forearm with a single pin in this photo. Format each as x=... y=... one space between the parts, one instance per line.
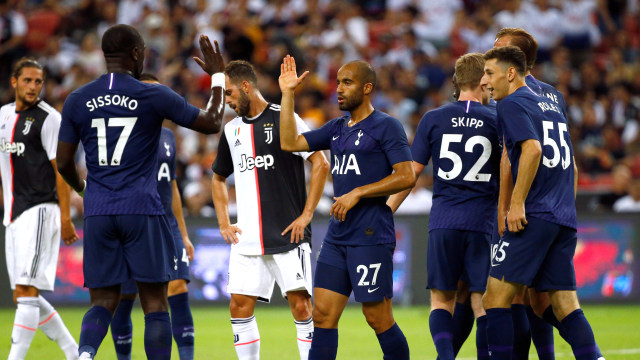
x=221 y=200
x=64 y=195
x=396 y=199
x=67 y=166
x=506 y=184
x=209 y=120
x=403 y=178
x=290 y=140
x=319 y=171
x=527 y=169
x=176 y=206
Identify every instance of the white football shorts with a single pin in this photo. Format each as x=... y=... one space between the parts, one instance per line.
x=32 y=242
x=255 y=275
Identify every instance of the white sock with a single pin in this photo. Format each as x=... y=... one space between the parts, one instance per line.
x=24 y=326
x=246 y=338
x=305 y=335
x=52 y=325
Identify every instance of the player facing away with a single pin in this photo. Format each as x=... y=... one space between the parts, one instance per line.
x=178 y=296
x=462 y=140
x=371 y=159
x=36 y=209
x=270 y=243
x=539 y=243
x=118 y=119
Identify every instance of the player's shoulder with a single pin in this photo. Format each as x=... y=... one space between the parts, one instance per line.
x=8 y=108
x=48 y=109
x=233 y=123
x=167 y=133
x=273 y=107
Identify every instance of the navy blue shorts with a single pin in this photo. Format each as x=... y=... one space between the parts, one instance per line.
x=129 y=287
x=540 y=256
x=365 y=270
x=181 y=254
x=122 y=247
x=454 y=255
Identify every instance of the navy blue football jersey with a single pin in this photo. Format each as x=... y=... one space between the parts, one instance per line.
x=462 y=140
x=167 y=171
x=525 y=115
x=118 y=120
x=544 y=89
x=362 y=154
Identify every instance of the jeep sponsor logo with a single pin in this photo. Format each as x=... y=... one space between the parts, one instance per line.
x=12 y=147
x=260 y=161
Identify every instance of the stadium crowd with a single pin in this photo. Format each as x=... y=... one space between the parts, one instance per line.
x=589 y=50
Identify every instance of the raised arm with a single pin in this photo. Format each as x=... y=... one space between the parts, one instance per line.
x=402 y=178
x=527 y=169
x=396 y=199
x=67 y=230
x=176 y=206
x=319 y=171
x=67 y=166
x=290 y=140
x=209 y=120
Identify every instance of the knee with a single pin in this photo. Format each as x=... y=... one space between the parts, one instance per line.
x=301 y=309
x=176 y=287
x=379 y=321
x=240 y=309
x=323 y=318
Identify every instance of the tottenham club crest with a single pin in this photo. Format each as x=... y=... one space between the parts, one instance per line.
x=27 y=125
x=168 y=147
x=269 y=135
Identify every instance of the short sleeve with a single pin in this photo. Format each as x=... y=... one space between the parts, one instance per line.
x=172 y=165
x=49 y=134
x=223 y=165
x=302 y=128
x=394 y=142
x=420 y=149
x=515 y=122
x=174 y=107
x=320 y=139
x=68 y=133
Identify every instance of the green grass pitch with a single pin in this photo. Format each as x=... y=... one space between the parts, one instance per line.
x=617 y=329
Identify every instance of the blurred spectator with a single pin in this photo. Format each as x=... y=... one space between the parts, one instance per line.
x=13 y=29
x=631 y=202
x=621 y=179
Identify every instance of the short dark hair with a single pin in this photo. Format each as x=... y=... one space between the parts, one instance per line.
x=469 y=70
x=25 y=62
x=510 y=55
x=120 y=39
x=148 y=77
x=365 y=72
x=522 y=39
x=241 y=70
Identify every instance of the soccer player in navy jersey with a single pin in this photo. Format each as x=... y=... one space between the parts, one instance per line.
x=529 y=307
x=370 y=160
x=539 y=242
x=178 y=296
x=271 y=240
x=119 y=120
x=462 y=140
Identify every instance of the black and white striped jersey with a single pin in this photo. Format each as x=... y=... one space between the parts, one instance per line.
x=28 y=143
x=269 y=182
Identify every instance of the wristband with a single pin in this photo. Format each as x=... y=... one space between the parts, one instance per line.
x=217 y=79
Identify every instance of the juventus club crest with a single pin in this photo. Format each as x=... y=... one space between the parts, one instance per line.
x=27 y=125
x=269 y=134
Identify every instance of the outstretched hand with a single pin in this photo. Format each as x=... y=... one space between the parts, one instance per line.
x=213 y=62
x=289 y=79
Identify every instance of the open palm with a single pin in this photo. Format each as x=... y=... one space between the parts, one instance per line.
x=289 y=79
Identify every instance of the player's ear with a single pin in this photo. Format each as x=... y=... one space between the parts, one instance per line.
x=368 y=88
x=511 y=73
x=14 y=82
x=246 y=86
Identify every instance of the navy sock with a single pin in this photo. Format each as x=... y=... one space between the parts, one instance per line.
x=441 y=326
x=462 y=325
x=95 y=325
x=324 y=345
x=542 y=336
x=157 y=335
x=481 y=338
x=550 y=317
x=182 y=325
x=122 y=329
x=500 y=333
x=580 y=336
x=521 y=332
x=393 y=344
